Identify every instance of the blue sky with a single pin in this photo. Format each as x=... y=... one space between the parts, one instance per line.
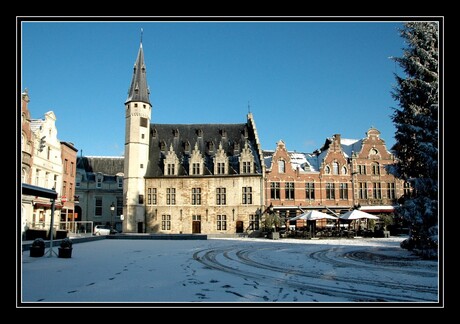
x=303 y=81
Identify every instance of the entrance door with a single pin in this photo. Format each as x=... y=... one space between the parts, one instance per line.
x=196 y=227
x=239 y=227
x=140 y=227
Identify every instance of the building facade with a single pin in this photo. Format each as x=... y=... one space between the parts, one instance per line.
x=200 y=178
x=99 y=192
x=341 y=175
x=69 y=163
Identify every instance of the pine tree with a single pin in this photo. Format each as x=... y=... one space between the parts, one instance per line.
x=416 y=122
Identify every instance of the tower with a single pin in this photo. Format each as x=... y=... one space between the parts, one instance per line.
x=138 y=114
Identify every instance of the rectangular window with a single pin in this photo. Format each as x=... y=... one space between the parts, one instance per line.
x=120 y=183
x=64 y=188
x=98 y=207
x=71 y=169
x=275 y=190
x=165 y=222
x=391 y=191
x=246 y=167
x=247 y=195
x=361 y=169
x=195 y=168
x=310 y=191
x=196 y=218
x=362 y=190
x=375 y=169
x=196 y=196
x=70 y=190
x=47 y=175
x=98 y=182
x=220 y=168
x=37 y=178
x=221 y=196
x=377 y=190
x=151 y=196
x=141 y=199
x=171 y=169
x=221 y=222
x=343 y=191
x=55 y=181
x=254 y=222
x=143 y=122
x=289 y=191
x=330 y=190
x=66 y=162
x=170 y=196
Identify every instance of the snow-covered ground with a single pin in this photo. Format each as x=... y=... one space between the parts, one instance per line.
x=226 y=271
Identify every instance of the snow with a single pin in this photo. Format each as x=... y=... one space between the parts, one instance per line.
x=250 y=271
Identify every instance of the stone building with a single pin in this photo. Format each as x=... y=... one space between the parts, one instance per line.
x=200 y=178
x=98 y=190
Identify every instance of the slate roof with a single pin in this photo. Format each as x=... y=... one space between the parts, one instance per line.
x=109 y=166
x=181 y=136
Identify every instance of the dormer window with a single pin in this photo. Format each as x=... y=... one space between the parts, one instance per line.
x=199 y=132
x=176 y=132
x=162 y=146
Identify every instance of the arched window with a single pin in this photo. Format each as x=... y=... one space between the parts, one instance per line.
x=281 y=166
x=335 y=168
x=375 y=168
x=344 y=170
x=327 y=169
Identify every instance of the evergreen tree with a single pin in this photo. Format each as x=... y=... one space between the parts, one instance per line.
x=416 y=122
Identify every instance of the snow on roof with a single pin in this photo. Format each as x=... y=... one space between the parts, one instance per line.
x=350 y=145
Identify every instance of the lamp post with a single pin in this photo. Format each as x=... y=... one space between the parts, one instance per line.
x=112 y=208
x=272 y=216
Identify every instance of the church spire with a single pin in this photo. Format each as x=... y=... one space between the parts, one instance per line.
x=139 y=91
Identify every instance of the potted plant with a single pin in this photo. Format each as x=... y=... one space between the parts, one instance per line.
x=65 y=248
x=37 y=249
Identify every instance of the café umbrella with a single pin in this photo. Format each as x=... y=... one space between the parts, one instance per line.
x=313 y=215
x=357 y=214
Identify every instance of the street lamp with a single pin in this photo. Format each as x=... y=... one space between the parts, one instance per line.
x=272 y=216
x=112 y=208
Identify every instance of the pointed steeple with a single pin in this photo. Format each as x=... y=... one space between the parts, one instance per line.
x=139 y=91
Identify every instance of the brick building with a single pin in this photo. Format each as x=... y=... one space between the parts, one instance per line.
x=341 y=175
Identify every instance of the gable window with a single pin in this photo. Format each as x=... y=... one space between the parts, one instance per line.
x=361 y=169
x=220 y=168
x=281 y=166
x=246 y=167
x=195 y=168
x=375 y=169
x=344 y=170
x=327 y=169
x=171 y=169
x=335 y=168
